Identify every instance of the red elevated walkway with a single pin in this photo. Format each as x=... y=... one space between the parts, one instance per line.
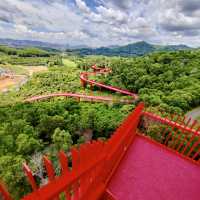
x=147 y=158
x=84 y=81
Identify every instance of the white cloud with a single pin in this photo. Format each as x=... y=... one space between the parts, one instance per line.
x=106 y=23
x=82 y=6
x=109 y=14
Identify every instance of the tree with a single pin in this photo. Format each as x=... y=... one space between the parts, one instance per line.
x=62 y=139
x=27 y=144
x=11 y=173
x=48 y=124
x=81 y=140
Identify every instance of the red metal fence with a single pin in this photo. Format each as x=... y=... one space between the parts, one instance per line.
x=92 y=166
x=182 y=135
x=94 y=163
x=3 y=193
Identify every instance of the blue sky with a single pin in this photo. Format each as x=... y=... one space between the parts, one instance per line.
x=102 y=22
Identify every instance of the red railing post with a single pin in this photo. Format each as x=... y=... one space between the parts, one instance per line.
x=75 y=169
x=4 y=193
x=63 y=162
x=50 y=172
x=65 y=170
x=49 y=168
x=30 y=176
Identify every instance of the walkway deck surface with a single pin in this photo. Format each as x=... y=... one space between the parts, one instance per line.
x=149 y=172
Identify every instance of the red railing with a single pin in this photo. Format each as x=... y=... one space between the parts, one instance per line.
x=92 y=166
x=182 y=135
x=84 y=81
x=4 y=193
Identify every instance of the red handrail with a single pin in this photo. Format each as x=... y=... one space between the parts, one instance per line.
x=84 y=80
x=178 y=135
x=4 y=193
x=92 y=166
x=79 y=97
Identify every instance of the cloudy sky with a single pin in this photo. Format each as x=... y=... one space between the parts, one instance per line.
x=102 y=22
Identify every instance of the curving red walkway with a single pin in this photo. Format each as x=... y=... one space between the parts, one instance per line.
x=84 y=80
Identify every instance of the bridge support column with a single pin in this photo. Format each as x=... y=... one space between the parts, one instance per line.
x=84 y=84
x=91 y=86
x=78 y=99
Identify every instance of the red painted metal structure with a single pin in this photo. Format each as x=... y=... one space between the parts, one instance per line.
x=179 y=135
x=84 y=81
x=95 y=163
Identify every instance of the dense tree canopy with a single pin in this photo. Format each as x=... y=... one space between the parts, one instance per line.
x=25 y=52
x=170 y=80
x=48 y=127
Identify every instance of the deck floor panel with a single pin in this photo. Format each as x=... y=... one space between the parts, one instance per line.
x=149 y=172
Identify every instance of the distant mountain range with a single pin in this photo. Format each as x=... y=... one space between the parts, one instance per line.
x=134 y=49
x=38 y=44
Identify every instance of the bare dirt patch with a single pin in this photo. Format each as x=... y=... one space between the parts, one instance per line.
x=35 y=69
x=15 y=80
x=8 y=82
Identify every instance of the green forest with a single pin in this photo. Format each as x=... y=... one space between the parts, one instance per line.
x=133 y=49
x=168 y=80
x=164 y=81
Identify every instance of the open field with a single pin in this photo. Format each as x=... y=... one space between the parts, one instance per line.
x=18 y=75
x=8 y=82
x=35 y=69
x=15 y=69
x=68 y=63
x=25 y=70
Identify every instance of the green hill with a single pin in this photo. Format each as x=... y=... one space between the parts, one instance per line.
x=24 y=52
x=134 y=49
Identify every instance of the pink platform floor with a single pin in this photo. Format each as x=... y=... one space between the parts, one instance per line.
x=149 y=172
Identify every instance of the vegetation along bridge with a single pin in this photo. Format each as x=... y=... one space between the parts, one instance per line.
x=147 y=157
x=84 y=80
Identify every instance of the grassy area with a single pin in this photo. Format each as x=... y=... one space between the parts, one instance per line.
x=15 y=60
x=58 y=78
x=63 y=78
x=23 y=70
x=18 y=75
x=16 y=69
x=69 y=63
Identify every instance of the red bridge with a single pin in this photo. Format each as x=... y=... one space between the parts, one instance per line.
x=147 y=158
x=84 y=81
